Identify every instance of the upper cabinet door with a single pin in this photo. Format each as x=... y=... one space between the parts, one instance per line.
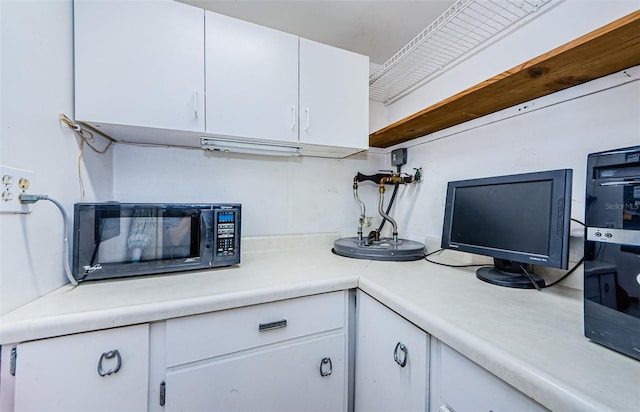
x=252 y=80
x=334 y=96
x=140 y=63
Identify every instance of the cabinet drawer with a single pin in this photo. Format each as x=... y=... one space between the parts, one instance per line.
x=209 y=335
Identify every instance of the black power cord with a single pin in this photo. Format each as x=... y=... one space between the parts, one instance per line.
x=447 y=264
x=29 y=199
x=555 y=282
x=573 y=269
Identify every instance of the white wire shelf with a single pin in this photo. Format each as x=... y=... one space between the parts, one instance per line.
x=464 y=26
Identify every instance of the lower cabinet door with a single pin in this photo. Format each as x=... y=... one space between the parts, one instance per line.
x=392 y=360
x=95 y=371
x=460 y=385
x=307 y=374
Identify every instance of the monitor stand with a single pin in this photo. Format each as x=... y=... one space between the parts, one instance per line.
x=510 y=274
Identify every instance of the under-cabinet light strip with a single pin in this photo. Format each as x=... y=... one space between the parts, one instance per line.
x=234 y=146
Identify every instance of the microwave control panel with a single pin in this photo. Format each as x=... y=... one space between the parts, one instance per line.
x=226 y=233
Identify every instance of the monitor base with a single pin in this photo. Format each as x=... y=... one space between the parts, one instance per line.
x=509 y=279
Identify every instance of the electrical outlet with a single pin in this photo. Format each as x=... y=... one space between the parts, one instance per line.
x=14 y=182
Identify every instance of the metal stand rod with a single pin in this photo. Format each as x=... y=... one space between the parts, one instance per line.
x=386 y=216
x=362 y=210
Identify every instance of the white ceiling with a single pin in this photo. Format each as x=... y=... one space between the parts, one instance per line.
x=376 y=28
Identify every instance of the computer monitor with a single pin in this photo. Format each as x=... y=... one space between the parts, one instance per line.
x=519 y=220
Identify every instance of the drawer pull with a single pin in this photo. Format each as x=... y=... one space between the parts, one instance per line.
x=279 y=324
x=401 y=360
x=110 y=355
x=326 y=367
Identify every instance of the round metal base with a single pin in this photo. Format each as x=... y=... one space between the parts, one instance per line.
x=383 y=249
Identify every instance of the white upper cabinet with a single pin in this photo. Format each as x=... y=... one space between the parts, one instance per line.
x=334 y=96
x=252 y=80
x=139 y=63
x=140 y=70
x=263 y=84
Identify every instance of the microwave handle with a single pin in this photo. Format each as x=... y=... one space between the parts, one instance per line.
x=207 y=235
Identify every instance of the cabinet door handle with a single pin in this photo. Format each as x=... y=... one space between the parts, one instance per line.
x=326 y=367
x=306 y=112
x=109 y=355
x=401 y=359
x=263 y=327
x=13 y=361
x=195 y=103
x=163 y=393
x=293 y=117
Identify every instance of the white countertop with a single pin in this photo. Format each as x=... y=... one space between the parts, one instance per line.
x=533 y=340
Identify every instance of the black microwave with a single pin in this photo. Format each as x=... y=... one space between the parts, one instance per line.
x=113 y=240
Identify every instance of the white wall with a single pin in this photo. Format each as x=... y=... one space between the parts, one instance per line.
x=36 y=86
x=278 y=195
x=558 y=135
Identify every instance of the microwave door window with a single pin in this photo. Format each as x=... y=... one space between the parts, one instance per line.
x=176 y=237
x=106 y=226
x=147 y=235
x=112 y=249
x=181 y=234
x=136 y=240
x=142 y=239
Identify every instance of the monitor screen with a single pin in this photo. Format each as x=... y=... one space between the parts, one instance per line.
x=519 y=220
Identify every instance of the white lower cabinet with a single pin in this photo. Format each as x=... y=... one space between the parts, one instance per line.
x=399 y=367
x=288 y=355
x=95 y=371
x=287 y=377
x=392 y=360
x=460 y=385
